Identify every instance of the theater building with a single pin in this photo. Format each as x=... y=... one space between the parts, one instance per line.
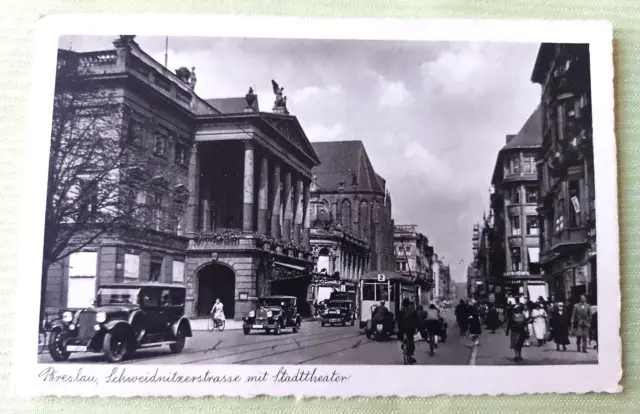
x=232 y=194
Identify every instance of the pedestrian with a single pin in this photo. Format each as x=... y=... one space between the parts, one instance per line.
x=517 y=330
x=493 y=318
x=560 y=322
x=581 y=320
x=527 y=308
x=539 y=318
x=462 y=315
x=422 y=317
x=475 y=327
x=593 y=328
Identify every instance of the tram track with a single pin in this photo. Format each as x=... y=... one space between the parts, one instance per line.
x=299 y=348
x=266 y=344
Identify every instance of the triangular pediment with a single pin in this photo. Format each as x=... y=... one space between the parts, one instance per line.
x=291 y=130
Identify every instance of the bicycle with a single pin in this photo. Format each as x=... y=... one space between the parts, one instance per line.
x=214 y=324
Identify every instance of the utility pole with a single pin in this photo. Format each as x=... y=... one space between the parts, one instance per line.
x=166 y=52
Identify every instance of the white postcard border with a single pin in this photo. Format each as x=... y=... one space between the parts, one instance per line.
x=363 y=380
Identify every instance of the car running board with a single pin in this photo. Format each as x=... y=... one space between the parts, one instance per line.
x=156 y=344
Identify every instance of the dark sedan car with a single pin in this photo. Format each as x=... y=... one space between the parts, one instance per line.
x=126 y=317
x=273 y=313
x=338 y=312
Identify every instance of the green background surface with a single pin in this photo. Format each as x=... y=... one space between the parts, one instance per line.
x=17 y=18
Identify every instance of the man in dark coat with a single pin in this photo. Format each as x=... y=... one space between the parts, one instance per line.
x=559 y=324
x=581 y=319
x=462 y=316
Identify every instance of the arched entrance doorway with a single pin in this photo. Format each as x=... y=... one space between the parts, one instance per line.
x=216 y=281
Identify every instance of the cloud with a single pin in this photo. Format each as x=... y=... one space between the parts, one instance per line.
x=393 y=93
x=317 y=132
x=463 y=70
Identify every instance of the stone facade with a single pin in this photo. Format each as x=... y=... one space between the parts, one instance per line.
x=229 y=214
x=566 y=172
x=415 y=258
x=513 y=226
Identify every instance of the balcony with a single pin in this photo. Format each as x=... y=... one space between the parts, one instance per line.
x=563 y=240
x=235 y=239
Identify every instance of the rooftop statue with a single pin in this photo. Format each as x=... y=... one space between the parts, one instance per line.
x=281 y=101
x=187 y=76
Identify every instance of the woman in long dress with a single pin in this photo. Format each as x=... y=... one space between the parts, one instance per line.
x=526 y=310
x=539 y=318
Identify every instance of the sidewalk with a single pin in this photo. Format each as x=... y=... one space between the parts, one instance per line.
x=200 y=324
x=494 y=349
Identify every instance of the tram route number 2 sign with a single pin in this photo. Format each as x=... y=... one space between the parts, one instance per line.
x=381 y=277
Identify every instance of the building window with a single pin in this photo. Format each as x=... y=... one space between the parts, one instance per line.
x=160 y=145
x=532 y=225
x=515 y=226
x=403 y=266
x=574 y=210
x=136 y=131
x=514 y=165
x=532 y=195
x=182 y=154
x=157 y=211
x=155 y=271
x=559 y=215
x=514 y=196
x=345 y=214
x=529 y=166
x=516 y=259
x=398 y=266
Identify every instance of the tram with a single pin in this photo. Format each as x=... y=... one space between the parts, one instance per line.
x=392 y=287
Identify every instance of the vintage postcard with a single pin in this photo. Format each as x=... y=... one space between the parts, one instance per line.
x=320 y=208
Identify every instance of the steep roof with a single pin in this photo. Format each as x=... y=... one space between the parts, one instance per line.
x=530 y=135
x=231 y=105
x=341 y=161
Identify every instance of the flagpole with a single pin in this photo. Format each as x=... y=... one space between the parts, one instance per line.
x=166 y=51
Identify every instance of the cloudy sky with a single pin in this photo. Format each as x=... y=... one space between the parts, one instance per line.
x=432 y=115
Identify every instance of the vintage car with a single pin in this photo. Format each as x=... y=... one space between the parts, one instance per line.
x=273 y=313
x=125 y=317
x=339 y=311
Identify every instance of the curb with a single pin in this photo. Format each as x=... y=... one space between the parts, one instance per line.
x=238 y=327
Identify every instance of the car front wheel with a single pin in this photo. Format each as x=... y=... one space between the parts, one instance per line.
x=297 y=327
x=246 y=331
x=114 y=346
x=277 y=330
x=181 y=338
x=56 y=346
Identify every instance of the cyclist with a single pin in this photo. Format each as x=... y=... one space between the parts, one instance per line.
x=433 y=323
x=217 y=312
x=407 y=325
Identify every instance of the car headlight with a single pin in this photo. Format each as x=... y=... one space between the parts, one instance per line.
x=101 y=317
x=67 y=317
x=269 y=314
x=252 y=314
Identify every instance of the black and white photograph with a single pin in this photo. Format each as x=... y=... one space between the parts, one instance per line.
x=303 y=206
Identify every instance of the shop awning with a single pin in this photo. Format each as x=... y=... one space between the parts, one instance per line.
x=290 y=266
x=534 y=254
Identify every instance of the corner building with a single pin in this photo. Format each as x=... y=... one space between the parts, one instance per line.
x=566 y=171
x=232 y=199
x=515 y=254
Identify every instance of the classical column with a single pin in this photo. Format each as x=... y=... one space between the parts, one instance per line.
x=263 y=196
x=276 y=188
x=288 y=208
x=206 y=213
x=193 y=186
x=298 y=211
x=306 y=220
x=248 y=193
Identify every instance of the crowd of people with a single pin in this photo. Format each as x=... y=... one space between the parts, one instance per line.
x=539 y=322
